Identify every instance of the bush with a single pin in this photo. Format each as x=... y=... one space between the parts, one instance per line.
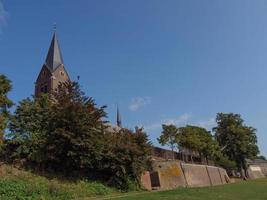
x=20 y=185
x=65 y=133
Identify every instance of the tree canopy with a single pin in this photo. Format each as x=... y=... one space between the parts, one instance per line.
x=169 y=137
x=237 y=140
x=66 y=132
x=5 y=104
x=195 y=139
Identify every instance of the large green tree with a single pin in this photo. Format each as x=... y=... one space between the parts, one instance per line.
x=30 y=125
x=5 y=104
x=195 y=139
x=169 y=137
x=66 y=132
x=199 y=140
x=63 y=128
x=125 y=156
x=237 y=140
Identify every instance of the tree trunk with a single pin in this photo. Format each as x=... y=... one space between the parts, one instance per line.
x=242 y=171
x=172 y=153
x=244 y=166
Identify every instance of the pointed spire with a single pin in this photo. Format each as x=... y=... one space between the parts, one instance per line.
x=118 y=117
x=54 y=56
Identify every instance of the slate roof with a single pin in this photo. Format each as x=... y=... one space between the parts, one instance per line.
x=54 y=56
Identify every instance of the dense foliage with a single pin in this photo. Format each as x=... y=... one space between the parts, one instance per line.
x=21 y=185
x=233 y=144
x=65 y=133
x=237 y=140
x=5 y=104
x=194 y=139
x=169 y=137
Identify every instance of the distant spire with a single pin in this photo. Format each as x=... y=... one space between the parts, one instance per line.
x=54 y=56
x=118 y=117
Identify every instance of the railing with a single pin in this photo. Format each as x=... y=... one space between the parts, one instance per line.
x=187 y=158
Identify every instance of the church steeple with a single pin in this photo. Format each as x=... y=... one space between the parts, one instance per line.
x=53 y=71
x=118 y=117
x=54 y=56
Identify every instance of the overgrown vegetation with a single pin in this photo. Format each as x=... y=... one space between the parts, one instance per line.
x=66 y=133
x=237 y=140
x=5 y=104
x=196 y=139
x=22 y=185
x=234 y=142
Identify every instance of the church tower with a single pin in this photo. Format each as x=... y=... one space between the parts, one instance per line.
x=53 y=71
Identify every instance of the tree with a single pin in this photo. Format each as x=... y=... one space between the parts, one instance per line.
x=237 y=141
x=65 y=128
x=261 y=157
x=169 y=136
x=126 y=156
x=200 y=140
x=76 y=138
x=197 y=139
x=30 y=126
x=65 y=132
x=5 y=104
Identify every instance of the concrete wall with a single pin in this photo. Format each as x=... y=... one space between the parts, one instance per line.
x=224 y=176
x=255 y=171
x=204 y=175
x=171 y=174
x=146 y=181
x=263 y=167
x=196 y=175
x=260 y=163
x=214 y=175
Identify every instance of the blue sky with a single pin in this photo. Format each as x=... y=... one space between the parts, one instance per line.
x=169 y=61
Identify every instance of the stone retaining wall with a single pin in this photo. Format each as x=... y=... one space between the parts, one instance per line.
x=172 y=174
x=255 y=171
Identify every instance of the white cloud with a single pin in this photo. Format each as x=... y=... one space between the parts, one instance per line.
x=3 y=15
x=208 y=124
x=139 y=102
x=181 y=120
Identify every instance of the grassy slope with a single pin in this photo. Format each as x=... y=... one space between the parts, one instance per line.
x=249 y=190
x=21 y=185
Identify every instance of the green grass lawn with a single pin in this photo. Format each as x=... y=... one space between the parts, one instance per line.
x=245 y=190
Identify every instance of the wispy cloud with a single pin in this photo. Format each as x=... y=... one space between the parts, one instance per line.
x=3 y=16
x=181 y=120
x=208 y=124
x=139 y=102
